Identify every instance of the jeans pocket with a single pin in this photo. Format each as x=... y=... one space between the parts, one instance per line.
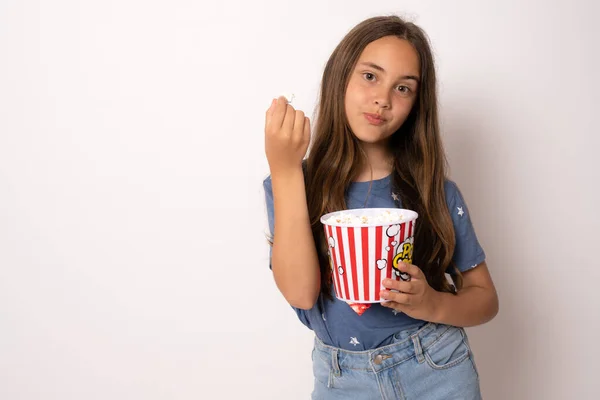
x=449 y=350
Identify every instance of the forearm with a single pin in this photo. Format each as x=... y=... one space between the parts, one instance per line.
x=471 y=306
x=294 y=257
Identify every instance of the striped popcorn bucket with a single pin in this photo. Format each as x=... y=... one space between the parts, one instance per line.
x=363 y=253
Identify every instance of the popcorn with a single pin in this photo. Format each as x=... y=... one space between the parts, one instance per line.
x=385 y=217
x=289 y=97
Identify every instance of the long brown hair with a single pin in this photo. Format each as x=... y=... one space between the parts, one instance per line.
x=419 y=172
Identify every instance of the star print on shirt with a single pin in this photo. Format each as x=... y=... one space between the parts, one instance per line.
x=354 y=341
x=396 y=312
x=460 y=211
x=395 y=196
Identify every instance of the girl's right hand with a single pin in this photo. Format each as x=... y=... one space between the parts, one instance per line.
x=287 y=135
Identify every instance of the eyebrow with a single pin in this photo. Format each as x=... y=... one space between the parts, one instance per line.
x=377 y=67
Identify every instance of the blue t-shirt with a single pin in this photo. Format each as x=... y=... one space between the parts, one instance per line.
x=335 y=322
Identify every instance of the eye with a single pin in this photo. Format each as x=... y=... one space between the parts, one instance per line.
x=367 y=75
x=404 y=89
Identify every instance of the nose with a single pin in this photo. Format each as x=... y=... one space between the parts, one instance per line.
x=382 y=98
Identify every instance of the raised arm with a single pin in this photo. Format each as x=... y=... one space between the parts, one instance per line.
x=294 y=256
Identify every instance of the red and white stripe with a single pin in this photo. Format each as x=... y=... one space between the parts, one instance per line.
x=357 y=250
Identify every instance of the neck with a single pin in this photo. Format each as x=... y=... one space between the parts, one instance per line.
x=378 y=163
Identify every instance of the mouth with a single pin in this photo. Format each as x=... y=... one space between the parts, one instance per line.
x=374 y=119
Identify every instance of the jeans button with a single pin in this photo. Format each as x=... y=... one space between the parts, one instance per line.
x=378 y=359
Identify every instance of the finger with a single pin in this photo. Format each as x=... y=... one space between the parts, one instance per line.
x=298 y=125
x=288 y=121
x=278 y=113
x=401 y=298
x=391 y=284
x=402 y=286
x=282 y=100
x=306 y=129
x=410 y=269
x=394 y=305
x=269 y=113
x=406 y=287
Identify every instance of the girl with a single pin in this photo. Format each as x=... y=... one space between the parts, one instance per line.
x=377 y=144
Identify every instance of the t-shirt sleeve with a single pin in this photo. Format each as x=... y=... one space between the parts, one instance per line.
x=267 y=186
x=468 y=253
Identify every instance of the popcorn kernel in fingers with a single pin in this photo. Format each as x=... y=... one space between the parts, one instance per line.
x=289 y=97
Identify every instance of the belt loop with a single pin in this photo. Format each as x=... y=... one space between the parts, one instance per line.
x=334 y=362
x=418 y=348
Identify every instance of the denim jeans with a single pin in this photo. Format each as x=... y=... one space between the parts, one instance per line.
x=427 y=363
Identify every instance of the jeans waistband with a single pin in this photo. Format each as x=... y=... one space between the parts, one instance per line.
x=406 y=345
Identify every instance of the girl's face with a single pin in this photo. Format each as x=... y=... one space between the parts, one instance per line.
x=384 y=84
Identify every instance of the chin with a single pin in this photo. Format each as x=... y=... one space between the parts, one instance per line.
x=371 y=139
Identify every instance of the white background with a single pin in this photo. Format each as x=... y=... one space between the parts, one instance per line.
x=133 y=261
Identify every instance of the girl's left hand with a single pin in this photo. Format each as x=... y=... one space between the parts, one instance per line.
x=416 y=298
